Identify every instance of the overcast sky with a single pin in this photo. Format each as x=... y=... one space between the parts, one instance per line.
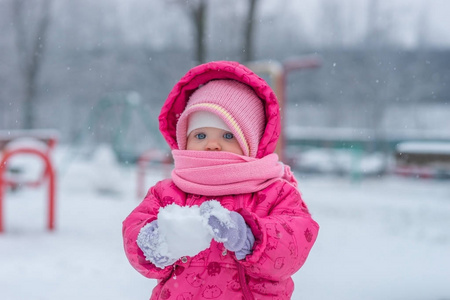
x=408 y=16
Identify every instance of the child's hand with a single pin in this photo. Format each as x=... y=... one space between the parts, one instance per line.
x=153 y=247
x=228 y=227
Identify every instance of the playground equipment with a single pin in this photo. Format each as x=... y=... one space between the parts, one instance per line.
x=37 y=143
x=278 y=72
x=117 y=111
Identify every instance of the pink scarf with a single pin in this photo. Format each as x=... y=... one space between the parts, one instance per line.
x=218 y=173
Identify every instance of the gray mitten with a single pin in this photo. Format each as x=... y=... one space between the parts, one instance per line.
x=153 y=247
x=229 y=228
x=247 y=247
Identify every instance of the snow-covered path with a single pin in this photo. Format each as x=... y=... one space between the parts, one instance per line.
x=386 y=238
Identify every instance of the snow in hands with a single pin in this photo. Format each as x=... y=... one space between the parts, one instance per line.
x=182 y=231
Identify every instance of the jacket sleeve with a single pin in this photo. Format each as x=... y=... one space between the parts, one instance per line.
x=143 y=214
x=283 y=237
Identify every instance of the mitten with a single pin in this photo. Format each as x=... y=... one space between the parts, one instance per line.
x=153 y=246
x=248 y=245
x=229 y=228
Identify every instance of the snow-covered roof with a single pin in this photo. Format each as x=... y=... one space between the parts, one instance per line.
x=424 y=147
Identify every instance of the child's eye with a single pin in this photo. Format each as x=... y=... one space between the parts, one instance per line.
x=200 y=136
x=228 y=135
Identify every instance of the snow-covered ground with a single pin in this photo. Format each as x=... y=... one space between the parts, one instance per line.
x=380 y=238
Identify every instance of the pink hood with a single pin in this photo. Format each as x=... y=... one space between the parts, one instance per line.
x=178 y=97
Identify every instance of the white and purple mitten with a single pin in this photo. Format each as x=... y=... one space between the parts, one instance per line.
x=153 y=246
x=229 y=228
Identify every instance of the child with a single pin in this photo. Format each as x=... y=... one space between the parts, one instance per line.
x=222 y=122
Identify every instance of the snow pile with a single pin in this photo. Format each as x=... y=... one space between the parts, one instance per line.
x=28 y=143
x=337 y=161
x=105 y=176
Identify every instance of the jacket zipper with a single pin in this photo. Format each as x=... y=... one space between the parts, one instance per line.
x=245 y=289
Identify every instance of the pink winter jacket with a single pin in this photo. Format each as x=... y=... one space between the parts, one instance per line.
x=279 y=219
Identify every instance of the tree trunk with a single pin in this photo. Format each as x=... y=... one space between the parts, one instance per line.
x=31 y=57
x=248 y=35
x=199 y=15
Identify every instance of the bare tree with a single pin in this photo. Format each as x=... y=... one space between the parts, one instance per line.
x=197 y=10
x=331 y=23
x=31 y=43
x=423 y=26
x=380 y=78
x=248 y=33
x=198 y=13
x=381 y=23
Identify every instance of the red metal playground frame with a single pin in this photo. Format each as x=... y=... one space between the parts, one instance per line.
x=48 y=173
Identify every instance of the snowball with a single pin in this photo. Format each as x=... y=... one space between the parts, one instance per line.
x=184 y=230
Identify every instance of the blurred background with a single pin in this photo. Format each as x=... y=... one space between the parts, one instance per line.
x=365 y=91
x=355 y=74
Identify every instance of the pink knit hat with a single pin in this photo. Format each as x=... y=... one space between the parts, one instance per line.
x=236 y=104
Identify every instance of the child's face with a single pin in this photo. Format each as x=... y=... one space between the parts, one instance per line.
x=213 y=139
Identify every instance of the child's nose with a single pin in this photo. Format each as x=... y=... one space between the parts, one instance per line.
x=213 y=146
